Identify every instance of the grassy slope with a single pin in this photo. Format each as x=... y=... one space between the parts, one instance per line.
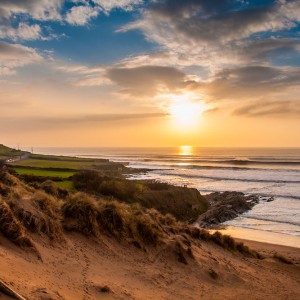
x=6 y=152
x=51 y=166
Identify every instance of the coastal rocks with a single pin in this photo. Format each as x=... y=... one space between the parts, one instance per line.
x=226 y=206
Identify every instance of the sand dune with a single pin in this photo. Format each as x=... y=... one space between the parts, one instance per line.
x=86 y=268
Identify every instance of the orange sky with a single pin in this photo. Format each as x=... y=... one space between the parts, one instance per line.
x=129 y=74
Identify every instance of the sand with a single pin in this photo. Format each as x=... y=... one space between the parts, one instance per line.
x=83 y=266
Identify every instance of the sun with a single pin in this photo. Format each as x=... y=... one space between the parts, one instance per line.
x=185 y=111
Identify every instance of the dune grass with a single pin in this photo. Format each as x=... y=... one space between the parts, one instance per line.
x=11 y=227
x=25 y=209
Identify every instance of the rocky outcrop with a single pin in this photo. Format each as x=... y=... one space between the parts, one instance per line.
x=226 y=206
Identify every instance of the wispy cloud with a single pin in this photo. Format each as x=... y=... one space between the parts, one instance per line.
x=44 y=123
x=270 y=108
x=22 y=32
x=16 y=55
x=112 y=4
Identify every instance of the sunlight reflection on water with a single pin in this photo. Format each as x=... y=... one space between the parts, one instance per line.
x=185 y=150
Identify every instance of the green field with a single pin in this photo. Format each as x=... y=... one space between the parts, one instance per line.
x=65 y=158
x=65 y=184
x=57 y=168
x=40 y=163
x=44 y=173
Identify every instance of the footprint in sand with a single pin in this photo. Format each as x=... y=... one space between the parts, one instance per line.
x=81 y=254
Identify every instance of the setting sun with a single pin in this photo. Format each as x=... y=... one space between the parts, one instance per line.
x=185 y=110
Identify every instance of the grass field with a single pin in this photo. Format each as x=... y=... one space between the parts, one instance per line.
x=44 y=173
x=62 y=164
x=56 y=168
x=65 y=158
x=65 y=184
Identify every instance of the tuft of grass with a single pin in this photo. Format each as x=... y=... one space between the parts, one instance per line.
x=39 y=214
x=146 y=230
x=111 y=217
x=224 y=241
x=11 y=227
x=282 y=259
x=80 y=214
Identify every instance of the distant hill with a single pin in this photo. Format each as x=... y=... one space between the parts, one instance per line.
x=7 y=153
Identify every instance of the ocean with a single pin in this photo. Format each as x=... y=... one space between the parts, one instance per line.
x=265 y=172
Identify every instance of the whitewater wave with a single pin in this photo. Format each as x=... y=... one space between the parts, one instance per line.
x=233 y=179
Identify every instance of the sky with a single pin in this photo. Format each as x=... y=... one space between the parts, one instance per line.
x=152 y=73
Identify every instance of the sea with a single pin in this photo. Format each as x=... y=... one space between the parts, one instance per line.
x=267 y=172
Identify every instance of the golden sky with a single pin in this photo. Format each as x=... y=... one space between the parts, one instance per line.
x=150 y=73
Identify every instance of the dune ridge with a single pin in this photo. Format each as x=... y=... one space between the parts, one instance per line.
x=82 y=247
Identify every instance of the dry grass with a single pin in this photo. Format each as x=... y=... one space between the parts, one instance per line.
x=39 y=213
x=224 y=241
x=282 y=259
x=80 y=213
x=23 y=208
x=11 y=227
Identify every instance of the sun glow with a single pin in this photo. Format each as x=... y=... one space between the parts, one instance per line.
x=185 y=150
x=185 y=110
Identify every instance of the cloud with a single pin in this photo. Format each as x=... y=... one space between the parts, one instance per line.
x=81 y=15
x=16 y=55
x=270 y=108
x=122 y=4
x=16 y=18
x=250 y=82
x=44 y=123
x=22 y=32
x=203 y=28
x=85 y=76
x=37 y=9
x=146 y=81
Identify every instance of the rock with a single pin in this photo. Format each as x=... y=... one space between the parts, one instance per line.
x=226 y=206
